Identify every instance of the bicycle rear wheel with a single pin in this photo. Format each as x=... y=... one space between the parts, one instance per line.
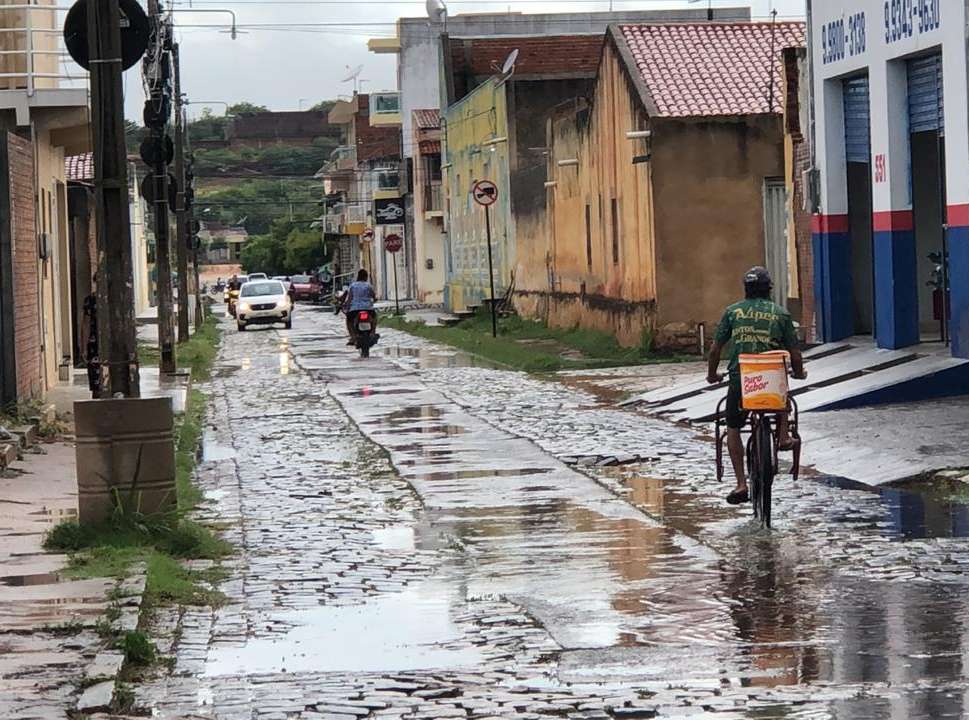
x=766 y=468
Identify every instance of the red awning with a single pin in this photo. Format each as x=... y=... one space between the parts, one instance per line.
x=430 y=147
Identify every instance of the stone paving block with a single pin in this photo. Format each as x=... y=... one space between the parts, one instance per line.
x=96 y=698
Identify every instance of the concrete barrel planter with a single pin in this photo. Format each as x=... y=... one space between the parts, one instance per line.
x=125 y=455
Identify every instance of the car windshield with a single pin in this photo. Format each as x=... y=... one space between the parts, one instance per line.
x=270 y=287
x=301 y=279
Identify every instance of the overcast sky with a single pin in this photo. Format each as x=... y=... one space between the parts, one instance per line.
x=306 y=61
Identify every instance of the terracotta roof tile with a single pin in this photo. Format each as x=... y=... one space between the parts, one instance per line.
x=427 y=119
x=712 y=69
x=79 y=168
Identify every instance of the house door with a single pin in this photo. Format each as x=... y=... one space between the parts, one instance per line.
x=775 y=236
x=926 y=134
x=857 y=114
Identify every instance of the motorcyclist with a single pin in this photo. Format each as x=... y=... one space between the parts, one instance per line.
x=359 y=296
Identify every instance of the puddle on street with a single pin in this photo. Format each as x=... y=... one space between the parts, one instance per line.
x=915 y=511
x=369 y=391
x=410 y=630
x=466 y=474
x=434 y=359
x=28 y=580
x=395 y=537
x=213 y=451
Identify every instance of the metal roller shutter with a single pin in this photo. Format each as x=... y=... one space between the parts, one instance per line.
x=925 y=94
x=857 y=120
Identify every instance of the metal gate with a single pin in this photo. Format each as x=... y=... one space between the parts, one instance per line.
x=857 y=120
x=925 y=103
x=775 y=236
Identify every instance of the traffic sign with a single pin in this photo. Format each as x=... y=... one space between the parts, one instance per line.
x=485 y=192
x=393 y=243
x=135 y=30
x=368 y=234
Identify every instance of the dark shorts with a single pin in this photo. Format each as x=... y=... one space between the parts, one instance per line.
x=734 y=414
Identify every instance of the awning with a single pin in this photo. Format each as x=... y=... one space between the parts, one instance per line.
x=430 y=147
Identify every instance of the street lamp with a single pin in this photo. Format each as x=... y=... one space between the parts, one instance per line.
x=233 y=31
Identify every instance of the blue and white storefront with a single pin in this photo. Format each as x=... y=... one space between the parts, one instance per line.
x=892 y=149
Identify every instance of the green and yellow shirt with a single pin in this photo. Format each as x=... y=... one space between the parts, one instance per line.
x=754 y=326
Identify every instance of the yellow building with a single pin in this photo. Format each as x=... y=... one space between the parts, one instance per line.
x=476 y=148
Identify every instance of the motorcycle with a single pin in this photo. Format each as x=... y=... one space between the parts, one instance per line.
x=232 y=300
x=363 y=332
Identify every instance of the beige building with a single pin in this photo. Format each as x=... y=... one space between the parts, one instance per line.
x=666 y=186
x=41 y=122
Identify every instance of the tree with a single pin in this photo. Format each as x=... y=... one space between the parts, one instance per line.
x=304 y=250
x=246 y=108
x=262 y=253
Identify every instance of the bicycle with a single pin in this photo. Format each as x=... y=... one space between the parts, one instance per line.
x=761 y=452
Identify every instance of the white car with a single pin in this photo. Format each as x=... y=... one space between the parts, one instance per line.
x=263 y=302
x=258 y=276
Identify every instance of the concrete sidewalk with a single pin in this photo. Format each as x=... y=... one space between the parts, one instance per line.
x=47 y=621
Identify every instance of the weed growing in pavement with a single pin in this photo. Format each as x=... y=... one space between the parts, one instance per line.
x=124 y=700
x=533 y=346
x=65 y=629
x=138 y=649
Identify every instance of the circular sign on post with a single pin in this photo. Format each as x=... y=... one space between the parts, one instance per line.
x=393 y=243
x=368 y=234
x=135 y=30
x=485 y=192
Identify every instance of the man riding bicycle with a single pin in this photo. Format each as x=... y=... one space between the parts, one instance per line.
x=754 y=325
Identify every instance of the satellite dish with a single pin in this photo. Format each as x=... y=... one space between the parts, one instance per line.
x=510 y=61
x=436 y=10
x=352 y=74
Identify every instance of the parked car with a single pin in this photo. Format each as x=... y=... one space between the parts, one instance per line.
x=307 y=287
x=263 y=302
x=258 y=276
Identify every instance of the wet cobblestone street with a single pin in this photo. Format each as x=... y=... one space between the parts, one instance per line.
x=423 y=536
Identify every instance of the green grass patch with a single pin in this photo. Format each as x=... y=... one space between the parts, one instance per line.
x=197 y=353
x=160 y=540
x=533 y=346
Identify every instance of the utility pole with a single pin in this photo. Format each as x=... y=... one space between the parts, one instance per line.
x=193 y=233
x=182 y=230
x=157 y=110
x=117 y=341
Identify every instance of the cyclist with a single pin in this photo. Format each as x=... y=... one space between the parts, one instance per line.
x=755 y=325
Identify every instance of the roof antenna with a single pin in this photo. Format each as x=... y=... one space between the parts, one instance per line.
x=709 y=8
x=772 y=61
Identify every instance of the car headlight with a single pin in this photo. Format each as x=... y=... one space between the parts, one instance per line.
x=283 y=304
x=244 y=307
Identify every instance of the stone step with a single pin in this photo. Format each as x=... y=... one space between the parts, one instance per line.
x=26 y=433
x=8 y=455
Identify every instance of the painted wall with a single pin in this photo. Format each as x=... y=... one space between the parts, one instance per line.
x=879 y=45
x=429 y=232
x=478 y=118
x=708 y=179
x=574 y=277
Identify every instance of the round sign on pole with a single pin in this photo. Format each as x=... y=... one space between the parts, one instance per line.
x=485 y=192
x=368 y=234
x=393 y=243
x=135 y=30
